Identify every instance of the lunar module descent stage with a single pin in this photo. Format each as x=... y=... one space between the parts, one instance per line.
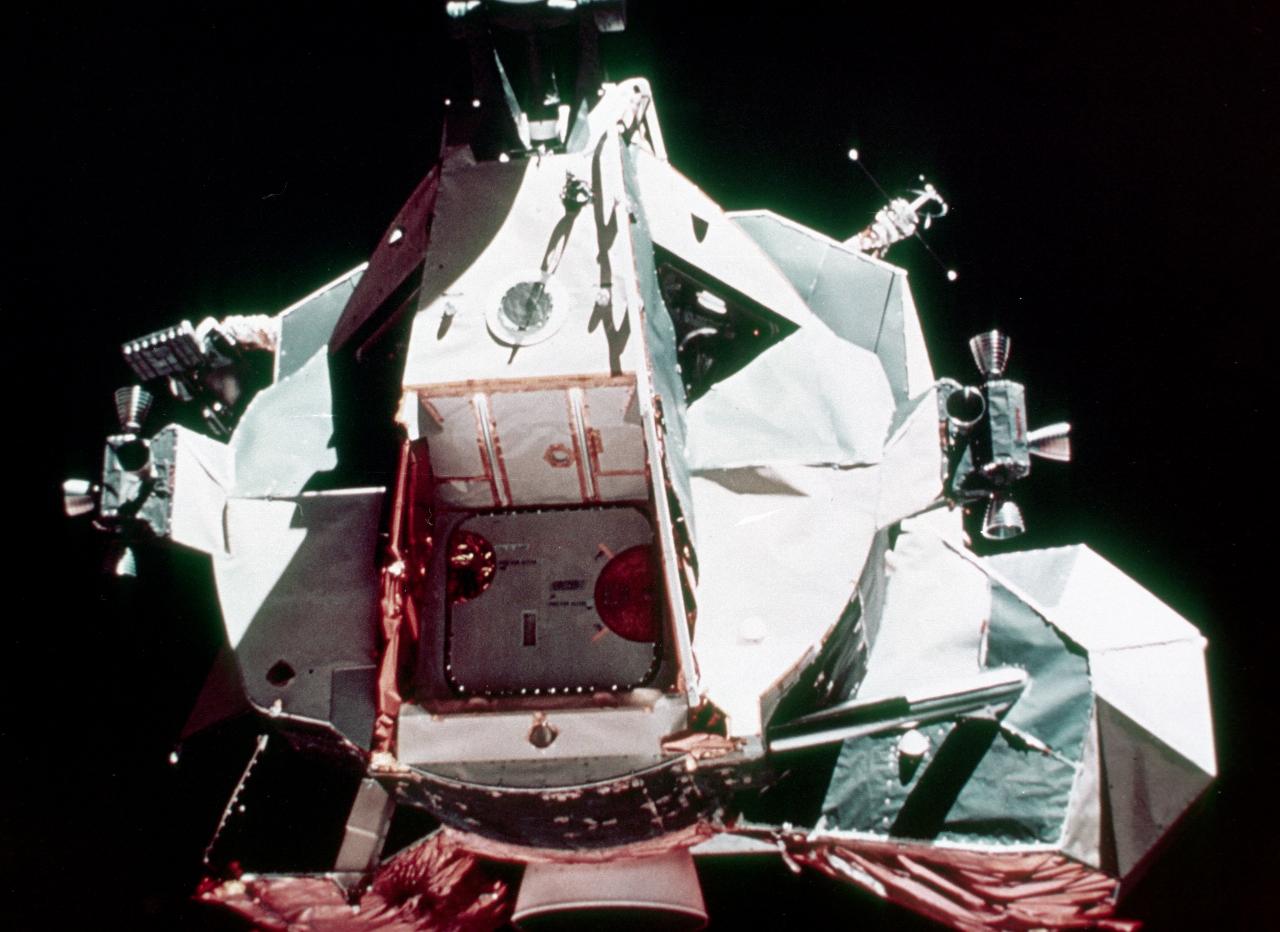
x=612 y=530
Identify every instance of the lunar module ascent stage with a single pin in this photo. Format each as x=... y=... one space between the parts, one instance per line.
x=612 y=530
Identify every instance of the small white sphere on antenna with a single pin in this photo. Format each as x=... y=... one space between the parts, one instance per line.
x=952 y=275
x=853 y=155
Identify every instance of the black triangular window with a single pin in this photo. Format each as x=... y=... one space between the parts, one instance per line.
x=718 y=329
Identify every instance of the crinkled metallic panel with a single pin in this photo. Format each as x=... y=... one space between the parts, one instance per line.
x=1091 y=601
x=541 y=259
x=591 y=743
x=873 y=586
x=1148 y=785
x=846 y=297
x=931 y=625
x=1006 y=424
x=181 y=492
x=1015 y=795
x=973 y=890
x=1055 y=708
x=1041 y=574
x=616 y=442
x=800 y=253
x=807 y=400
x=398 y=255
x=780 y=555
x=298 y=590
x=284 y=441
x=684 y=221
x=432 y=886
x=461 y=466
x=202 y=473
x=306 y=326
x=832 y=677
x=1085 y=837
x=1019 y=792
x=544 y=773
x=864 y=300
x=871 y=781
x=534 y=444
x=540 y=459
x=660 y=346
x=937 y=605
x=911 y=471
x=663 y=889
x=1162 y=687
x=643 y=805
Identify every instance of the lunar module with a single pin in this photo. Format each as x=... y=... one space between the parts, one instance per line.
x=613 y=531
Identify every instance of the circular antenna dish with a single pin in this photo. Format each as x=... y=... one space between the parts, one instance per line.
x=526 y=311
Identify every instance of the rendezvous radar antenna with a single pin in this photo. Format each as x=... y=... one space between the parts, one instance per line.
x=984 y=428
x=900 y=219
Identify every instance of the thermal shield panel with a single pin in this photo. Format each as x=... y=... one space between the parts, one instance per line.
x=865 y=301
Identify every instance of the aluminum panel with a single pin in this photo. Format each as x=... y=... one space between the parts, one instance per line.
x=536 y=626
x=540 y=457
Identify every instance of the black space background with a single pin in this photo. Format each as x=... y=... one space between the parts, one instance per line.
x=1112 y=177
